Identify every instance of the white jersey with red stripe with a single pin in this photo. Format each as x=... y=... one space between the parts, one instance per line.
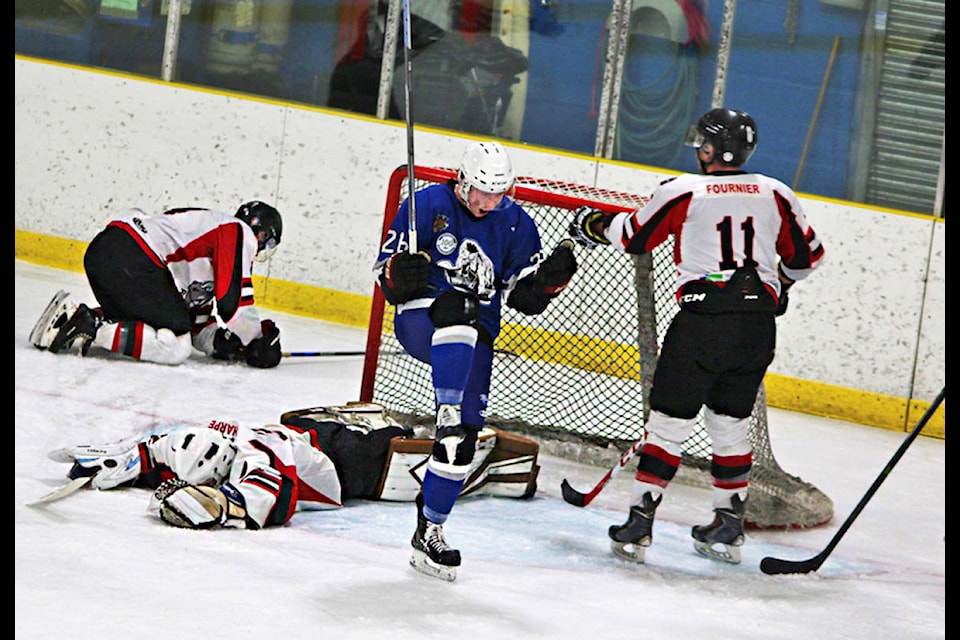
x=720 y=222
x=210 y=255
x=279 y=470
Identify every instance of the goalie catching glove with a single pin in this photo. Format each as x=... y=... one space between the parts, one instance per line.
x=532 y=294
x=404 y=276
x=191 y=506
x=588 y=226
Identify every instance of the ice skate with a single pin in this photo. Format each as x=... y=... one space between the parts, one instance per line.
x=52 y=318
x=631 y=539
x=431 y=553
x=82 y=325
x=722 y=538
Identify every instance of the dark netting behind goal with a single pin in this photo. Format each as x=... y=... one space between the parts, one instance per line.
x=576 y=376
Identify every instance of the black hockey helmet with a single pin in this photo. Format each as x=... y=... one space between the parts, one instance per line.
x=732 y=133
x=266 y=223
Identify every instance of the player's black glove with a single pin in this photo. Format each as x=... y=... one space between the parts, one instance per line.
x=533 y=294
x=785 y=284
x=583 y=227
x=555 y=273
x=784 y=300
x=264 y=352
x=226 y=345
x=404 y=276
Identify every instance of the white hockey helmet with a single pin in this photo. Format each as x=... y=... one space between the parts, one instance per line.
x=200 y=455
x=487 y=167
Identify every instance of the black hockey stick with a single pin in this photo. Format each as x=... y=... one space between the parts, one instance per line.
x=578 y=499
x=776 y=566
x=408 y=117
x=320 y=354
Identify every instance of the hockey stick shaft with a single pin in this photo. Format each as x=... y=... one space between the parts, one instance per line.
x=579 y=499
x=408 y=117
x=61 y=492
x=320 y=354
x=776 y=566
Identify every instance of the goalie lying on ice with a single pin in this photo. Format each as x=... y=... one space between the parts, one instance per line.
x=225 y=474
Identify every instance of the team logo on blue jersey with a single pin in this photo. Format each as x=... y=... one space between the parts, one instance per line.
x=440 y=223
x=446 y=243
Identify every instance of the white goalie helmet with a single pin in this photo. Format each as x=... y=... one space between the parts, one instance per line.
x=199 y=455
x=487 y=167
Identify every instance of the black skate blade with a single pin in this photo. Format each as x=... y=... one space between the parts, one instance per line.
x=421 y=563
x=718 y=551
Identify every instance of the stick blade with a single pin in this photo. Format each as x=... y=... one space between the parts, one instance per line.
x=778 y=566
x=62 y=492
x=571 y=495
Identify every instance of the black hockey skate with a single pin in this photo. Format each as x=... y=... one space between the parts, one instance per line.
x=631 y=539
x=52 y=318
x=82 y=325
x=722 y=538
x=431 y=553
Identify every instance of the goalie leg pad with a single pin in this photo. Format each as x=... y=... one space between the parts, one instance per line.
x=505 y=465
x=510 y=471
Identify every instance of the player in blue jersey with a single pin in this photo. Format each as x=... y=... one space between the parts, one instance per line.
x=476 y=250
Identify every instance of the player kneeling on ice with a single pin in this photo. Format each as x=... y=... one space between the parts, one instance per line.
x=475 y=250
x=169 y=283
x=741 y=240
x=224 y=474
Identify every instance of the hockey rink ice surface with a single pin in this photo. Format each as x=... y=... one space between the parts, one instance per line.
x=96 y=565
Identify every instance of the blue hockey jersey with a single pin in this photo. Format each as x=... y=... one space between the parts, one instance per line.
x=485 y=256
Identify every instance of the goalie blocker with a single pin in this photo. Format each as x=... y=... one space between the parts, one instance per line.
x=505 y=464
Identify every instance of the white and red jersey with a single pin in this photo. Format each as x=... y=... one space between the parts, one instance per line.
x=720 y=222
x=210 y=255
x=278 y=469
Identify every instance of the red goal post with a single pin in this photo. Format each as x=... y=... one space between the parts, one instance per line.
x=576 y=377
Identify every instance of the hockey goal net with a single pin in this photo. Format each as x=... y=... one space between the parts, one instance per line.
x=576 y=378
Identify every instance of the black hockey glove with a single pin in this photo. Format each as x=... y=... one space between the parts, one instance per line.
x=784 y=299
x=587 y=227
x=785 y=284
x=226 y=345
x=533 y=294
x=404 y=276
x=555 y=273
x=264 y=352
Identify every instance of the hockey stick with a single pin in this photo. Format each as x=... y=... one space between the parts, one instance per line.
x=330 y=354
x=62 y=492
x=408 y=116
x=776 y=566
x=320 y=354
x=578 y=499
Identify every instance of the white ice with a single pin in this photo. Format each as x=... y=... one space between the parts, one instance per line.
x=96 y=565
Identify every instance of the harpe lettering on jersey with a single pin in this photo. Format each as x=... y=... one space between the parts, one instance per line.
x=224 y=427
x=732 y=187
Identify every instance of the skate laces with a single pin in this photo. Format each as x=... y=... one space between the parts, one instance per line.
x=433 y=538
